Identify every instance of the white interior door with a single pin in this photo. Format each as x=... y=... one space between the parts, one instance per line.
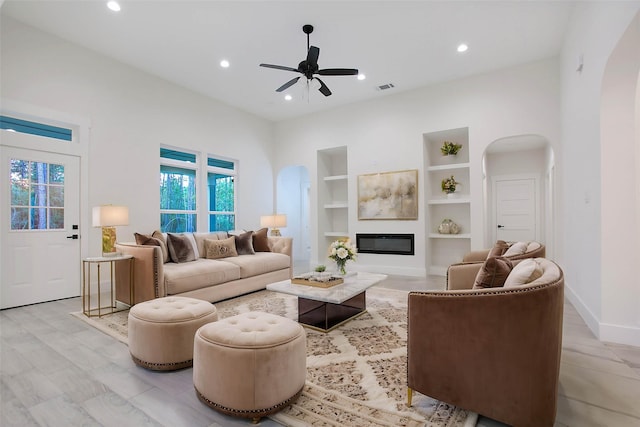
x=39 y=255
x=516 y=209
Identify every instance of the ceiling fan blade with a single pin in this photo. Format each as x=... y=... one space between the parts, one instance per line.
x=280 y=67
x=312 y=56
x=323 y=88
x=288 y=84
x=338 y=72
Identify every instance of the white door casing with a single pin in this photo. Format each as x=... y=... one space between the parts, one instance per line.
x=516 y=207
x=38 y=265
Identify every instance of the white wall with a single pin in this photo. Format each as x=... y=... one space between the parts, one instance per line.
x=131 y=115
x=386 y=135
x=593 y=33
x=620 y=188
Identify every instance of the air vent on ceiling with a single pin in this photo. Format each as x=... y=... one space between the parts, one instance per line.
x=386 y=86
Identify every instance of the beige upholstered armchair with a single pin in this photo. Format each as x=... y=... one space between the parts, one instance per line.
x=493 y=351
x=464 y=272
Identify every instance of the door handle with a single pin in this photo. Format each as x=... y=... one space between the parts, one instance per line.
x=500 y=226
x=73 y=236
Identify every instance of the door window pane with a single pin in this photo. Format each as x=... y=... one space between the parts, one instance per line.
x=37 y=195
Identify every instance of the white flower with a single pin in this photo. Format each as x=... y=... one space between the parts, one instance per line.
x=342 y=253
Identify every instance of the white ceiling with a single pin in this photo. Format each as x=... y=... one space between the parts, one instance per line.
x=407 y=43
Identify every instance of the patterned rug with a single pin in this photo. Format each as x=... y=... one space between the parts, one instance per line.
x=356 y=374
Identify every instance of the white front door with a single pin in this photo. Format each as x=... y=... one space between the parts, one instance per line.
x=40 y=250
x=516 y=209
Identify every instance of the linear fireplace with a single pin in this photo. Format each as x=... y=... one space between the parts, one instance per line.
x=381 y=243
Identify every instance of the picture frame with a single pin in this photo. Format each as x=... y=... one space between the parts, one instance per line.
x=388 y=195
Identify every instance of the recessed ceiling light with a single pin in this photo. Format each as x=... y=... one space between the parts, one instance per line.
x=361 y=76
x=224 y=63
x=113 y=5
x=288 y=97
x=462 y=47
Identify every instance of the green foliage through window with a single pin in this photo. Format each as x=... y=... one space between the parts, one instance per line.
x=181 y=173
x=37 y=195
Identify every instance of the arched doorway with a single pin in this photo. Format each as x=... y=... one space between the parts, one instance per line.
x=292 y=189
x=518 y=190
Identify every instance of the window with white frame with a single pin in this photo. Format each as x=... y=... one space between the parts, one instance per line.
x=184 y=179
x=221 y=176
x=178 y=202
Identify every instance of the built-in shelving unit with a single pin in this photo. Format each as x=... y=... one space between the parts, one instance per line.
x=333 y=186
x=446 y=249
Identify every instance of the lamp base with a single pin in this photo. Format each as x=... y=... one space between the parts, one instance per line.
x=275 y=232
x=108 y=241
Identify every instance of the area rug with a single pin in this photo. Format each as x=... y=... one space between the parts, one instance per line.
x=356 y=374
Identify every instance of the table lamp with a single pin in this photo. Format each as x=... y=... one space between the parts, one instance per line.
x=107 y=217
x=274 y=222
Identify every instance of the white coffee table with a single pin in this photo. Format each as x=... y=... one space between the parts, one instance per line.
x=327 y=308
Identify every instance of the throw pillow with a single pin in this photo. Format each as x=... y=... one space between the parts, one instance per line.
x=517 y=248
x=261 y=241
x=163 y=244
x=498 y=249
x=180 y=248
x=244 y=243
x=493 y=273
x=526 y=271
x=215 y=249
x=143 y=239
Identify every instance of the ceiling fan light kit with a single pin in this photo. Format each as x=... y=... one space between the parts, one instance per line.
x=309 y=68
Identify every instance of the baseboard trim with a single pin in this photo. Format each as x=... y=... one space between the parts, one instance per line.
x=587 y=315
x=619 y=334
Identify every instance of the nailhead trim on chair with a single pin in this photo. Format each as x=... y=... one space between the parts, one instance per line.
x=173 y=366
x=254 y=413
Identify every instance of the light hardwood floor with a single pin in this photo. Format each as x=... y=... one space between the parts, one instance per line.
x=58 y=371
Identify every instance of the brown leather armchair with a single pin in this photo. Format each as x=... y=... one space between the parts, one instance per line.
x=493 y=351
x=459 y=274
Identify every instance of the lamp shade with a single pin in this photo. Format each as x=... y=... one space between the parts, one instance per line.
x=110 y=216
x=273 y=221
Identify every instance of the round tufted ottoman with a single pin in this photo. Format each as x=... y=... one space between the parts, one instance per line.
x=250 y=365
x=161 y=331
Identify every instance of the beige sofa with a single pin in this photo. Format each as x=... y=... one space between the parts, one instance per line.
x=207 y=279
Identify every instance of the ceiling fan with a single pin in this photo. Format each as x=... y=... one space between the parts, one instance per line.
x=309 y=68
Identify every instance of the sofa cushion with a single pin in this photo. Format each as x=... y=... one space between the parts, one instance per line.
x=244 y=243
x=198 y=274
x=493 y=273
x=182 y=247
x=212 y=235
x=498 y=249
x=216 y=249
x=517 y=248
x=261 y=262
x=163 y=245
x=526 y=271
x=261 y=241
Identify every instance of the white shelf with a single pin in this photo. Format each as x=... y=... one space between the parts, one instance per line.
x=449 y=236
x=336 y=205
x=449 y=201
x=336 y=234
x=446 y=249
x=336 y=178
x=448 y=167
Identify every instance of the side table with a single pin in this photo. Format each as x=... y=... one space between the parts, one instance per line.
x=87 y=264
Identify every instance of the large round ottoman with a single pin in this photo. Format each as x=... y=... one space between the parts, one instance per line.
x=250 y=365
x=161 y=331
